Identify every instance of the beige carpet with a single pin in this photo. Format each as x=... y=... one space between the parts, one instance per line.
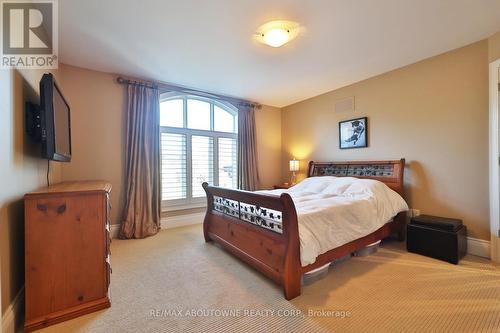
x=390 y=291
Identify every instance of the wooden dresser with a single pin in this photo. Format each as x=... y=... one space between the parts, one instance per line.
x=67 y=258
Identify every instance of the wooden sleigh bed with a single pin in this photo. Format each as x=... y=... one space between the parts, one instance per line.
x=263 y=230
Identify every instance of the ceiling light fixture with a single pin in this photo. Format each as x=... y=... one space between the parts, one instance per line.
x=276 y=37
x=277 y=33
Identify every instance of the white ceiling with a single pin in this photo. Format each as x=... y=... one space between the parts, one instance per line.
x=208 y=44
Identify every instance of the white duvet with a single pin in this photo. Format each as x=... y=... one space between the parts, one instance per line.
x=333 y=211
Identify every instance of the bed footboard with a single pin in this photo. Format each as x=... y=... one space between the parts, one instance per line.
x=263 y=230
x=260 y=229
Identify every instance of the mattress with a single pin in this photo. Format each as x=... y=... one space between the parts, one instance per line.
x=333 y=211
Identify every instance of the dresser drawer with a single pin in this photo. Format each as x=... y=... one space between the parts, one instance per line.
x=67 y=270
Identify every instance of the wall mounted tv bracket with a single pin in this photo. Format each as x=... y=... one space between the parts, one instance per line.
x=33 y=122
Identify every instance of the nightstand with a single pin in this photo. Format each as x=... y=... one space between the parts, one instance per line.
x=284 y=186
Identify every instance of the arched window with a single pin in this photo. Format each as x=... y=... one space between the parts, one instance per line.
x=198 y=144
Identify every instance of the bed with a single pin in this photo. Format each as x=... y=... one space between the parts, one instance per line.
x=262 y=228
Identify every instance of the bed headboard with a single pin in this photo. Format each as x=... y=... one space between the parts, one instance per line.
x=388 y=172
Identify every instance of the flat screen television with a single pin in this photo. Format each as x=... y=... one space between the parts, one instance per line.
x=50 y=122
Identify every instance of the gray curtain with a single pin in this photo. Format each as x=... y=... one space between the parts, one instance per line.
x=141 y=216
x=248 y=174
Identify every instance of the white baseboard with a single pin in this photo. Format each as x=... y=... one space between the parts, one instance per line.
x=182 y=220
x=169 y=222
x=115 y=229
x=475 y=246
x=478 y=247
x=13 y=313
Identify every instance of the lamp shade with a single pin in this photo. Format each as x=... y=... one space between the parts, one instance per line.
x=294 y=165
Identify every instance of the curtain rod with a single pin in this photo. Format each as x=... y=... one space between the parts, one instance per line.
x=121 y=80
x=170 y=87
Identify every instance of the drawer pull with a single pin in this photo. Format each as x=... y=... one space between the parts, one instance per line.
x=61 y=209
x=42 y=208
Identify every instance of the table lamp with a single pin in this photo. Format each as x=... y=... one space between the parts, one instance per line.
x=294 y=166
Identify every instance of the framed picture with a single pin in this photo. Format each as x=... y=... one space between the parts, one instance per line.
x=353 y=133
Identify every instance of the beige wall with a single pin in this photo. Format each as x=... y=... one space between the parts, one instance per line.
x=22 y=171
x=494 y=47
x=98 y=133
x=97 y=126
x=434 y=113
x=268 y=131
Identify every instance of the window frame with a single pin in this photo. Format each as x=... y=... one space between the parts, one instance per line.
x=190 y=202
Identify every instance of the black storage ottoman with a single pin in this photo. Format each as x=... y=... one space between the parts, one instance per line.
x=437 y=237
